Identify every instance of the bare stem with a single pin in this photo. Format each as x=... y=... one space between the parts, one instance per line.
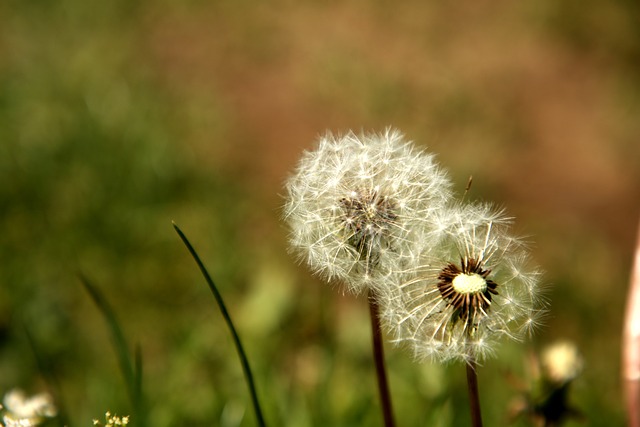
x=474 y=396
x=378 y=356
x=631 y=344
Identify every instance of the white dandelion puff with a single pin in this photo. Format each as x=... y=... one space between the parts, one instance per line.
x=467 y=293
x=360 y=206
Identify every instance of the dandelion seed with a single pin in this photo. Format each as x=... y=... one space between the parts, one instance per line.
x=359 y=207
x=464 y=295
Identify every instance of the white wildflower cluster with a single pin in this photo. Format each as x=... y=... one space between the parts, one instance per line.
x=19 y=410
x=112 y=420
x=376 y=214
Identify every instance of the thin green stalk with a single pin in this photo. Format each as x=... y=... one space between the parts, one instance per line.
x=474 y=396
x=225 y=314
x=131 y=369
x=378 y=357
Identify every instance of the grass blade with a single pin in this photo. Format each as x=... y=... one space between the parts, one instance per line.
x=225 y=314
x=131 y=370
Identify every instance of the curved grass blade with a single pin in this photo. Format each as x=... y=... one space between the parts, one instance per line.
x=225 y=314
x=131 y=370
x=51 y=379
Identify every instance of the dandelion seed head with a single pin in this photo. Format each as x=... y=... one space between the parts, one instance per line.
x=358 y=206
x=473 y=289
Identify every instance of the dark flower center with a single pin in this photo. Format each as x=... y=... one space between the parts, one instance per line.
x=467 y=290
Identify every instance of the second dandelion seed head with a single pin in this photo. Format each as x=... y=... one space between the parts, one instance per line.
x=468 y=292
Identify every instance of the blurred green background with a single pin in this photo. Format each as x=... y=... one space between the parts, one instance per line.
x=117 y=117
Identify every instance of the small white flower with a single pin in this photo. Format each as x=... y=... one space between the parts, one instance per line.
x=468 y=292
x=561 y=362
x=359 y=207
x=21 y=410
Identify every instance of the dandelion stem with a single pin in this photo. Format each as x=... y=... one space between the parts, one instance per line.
x=631 y=344
x=225 y=314
x=378 y=356
x=474 y=396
